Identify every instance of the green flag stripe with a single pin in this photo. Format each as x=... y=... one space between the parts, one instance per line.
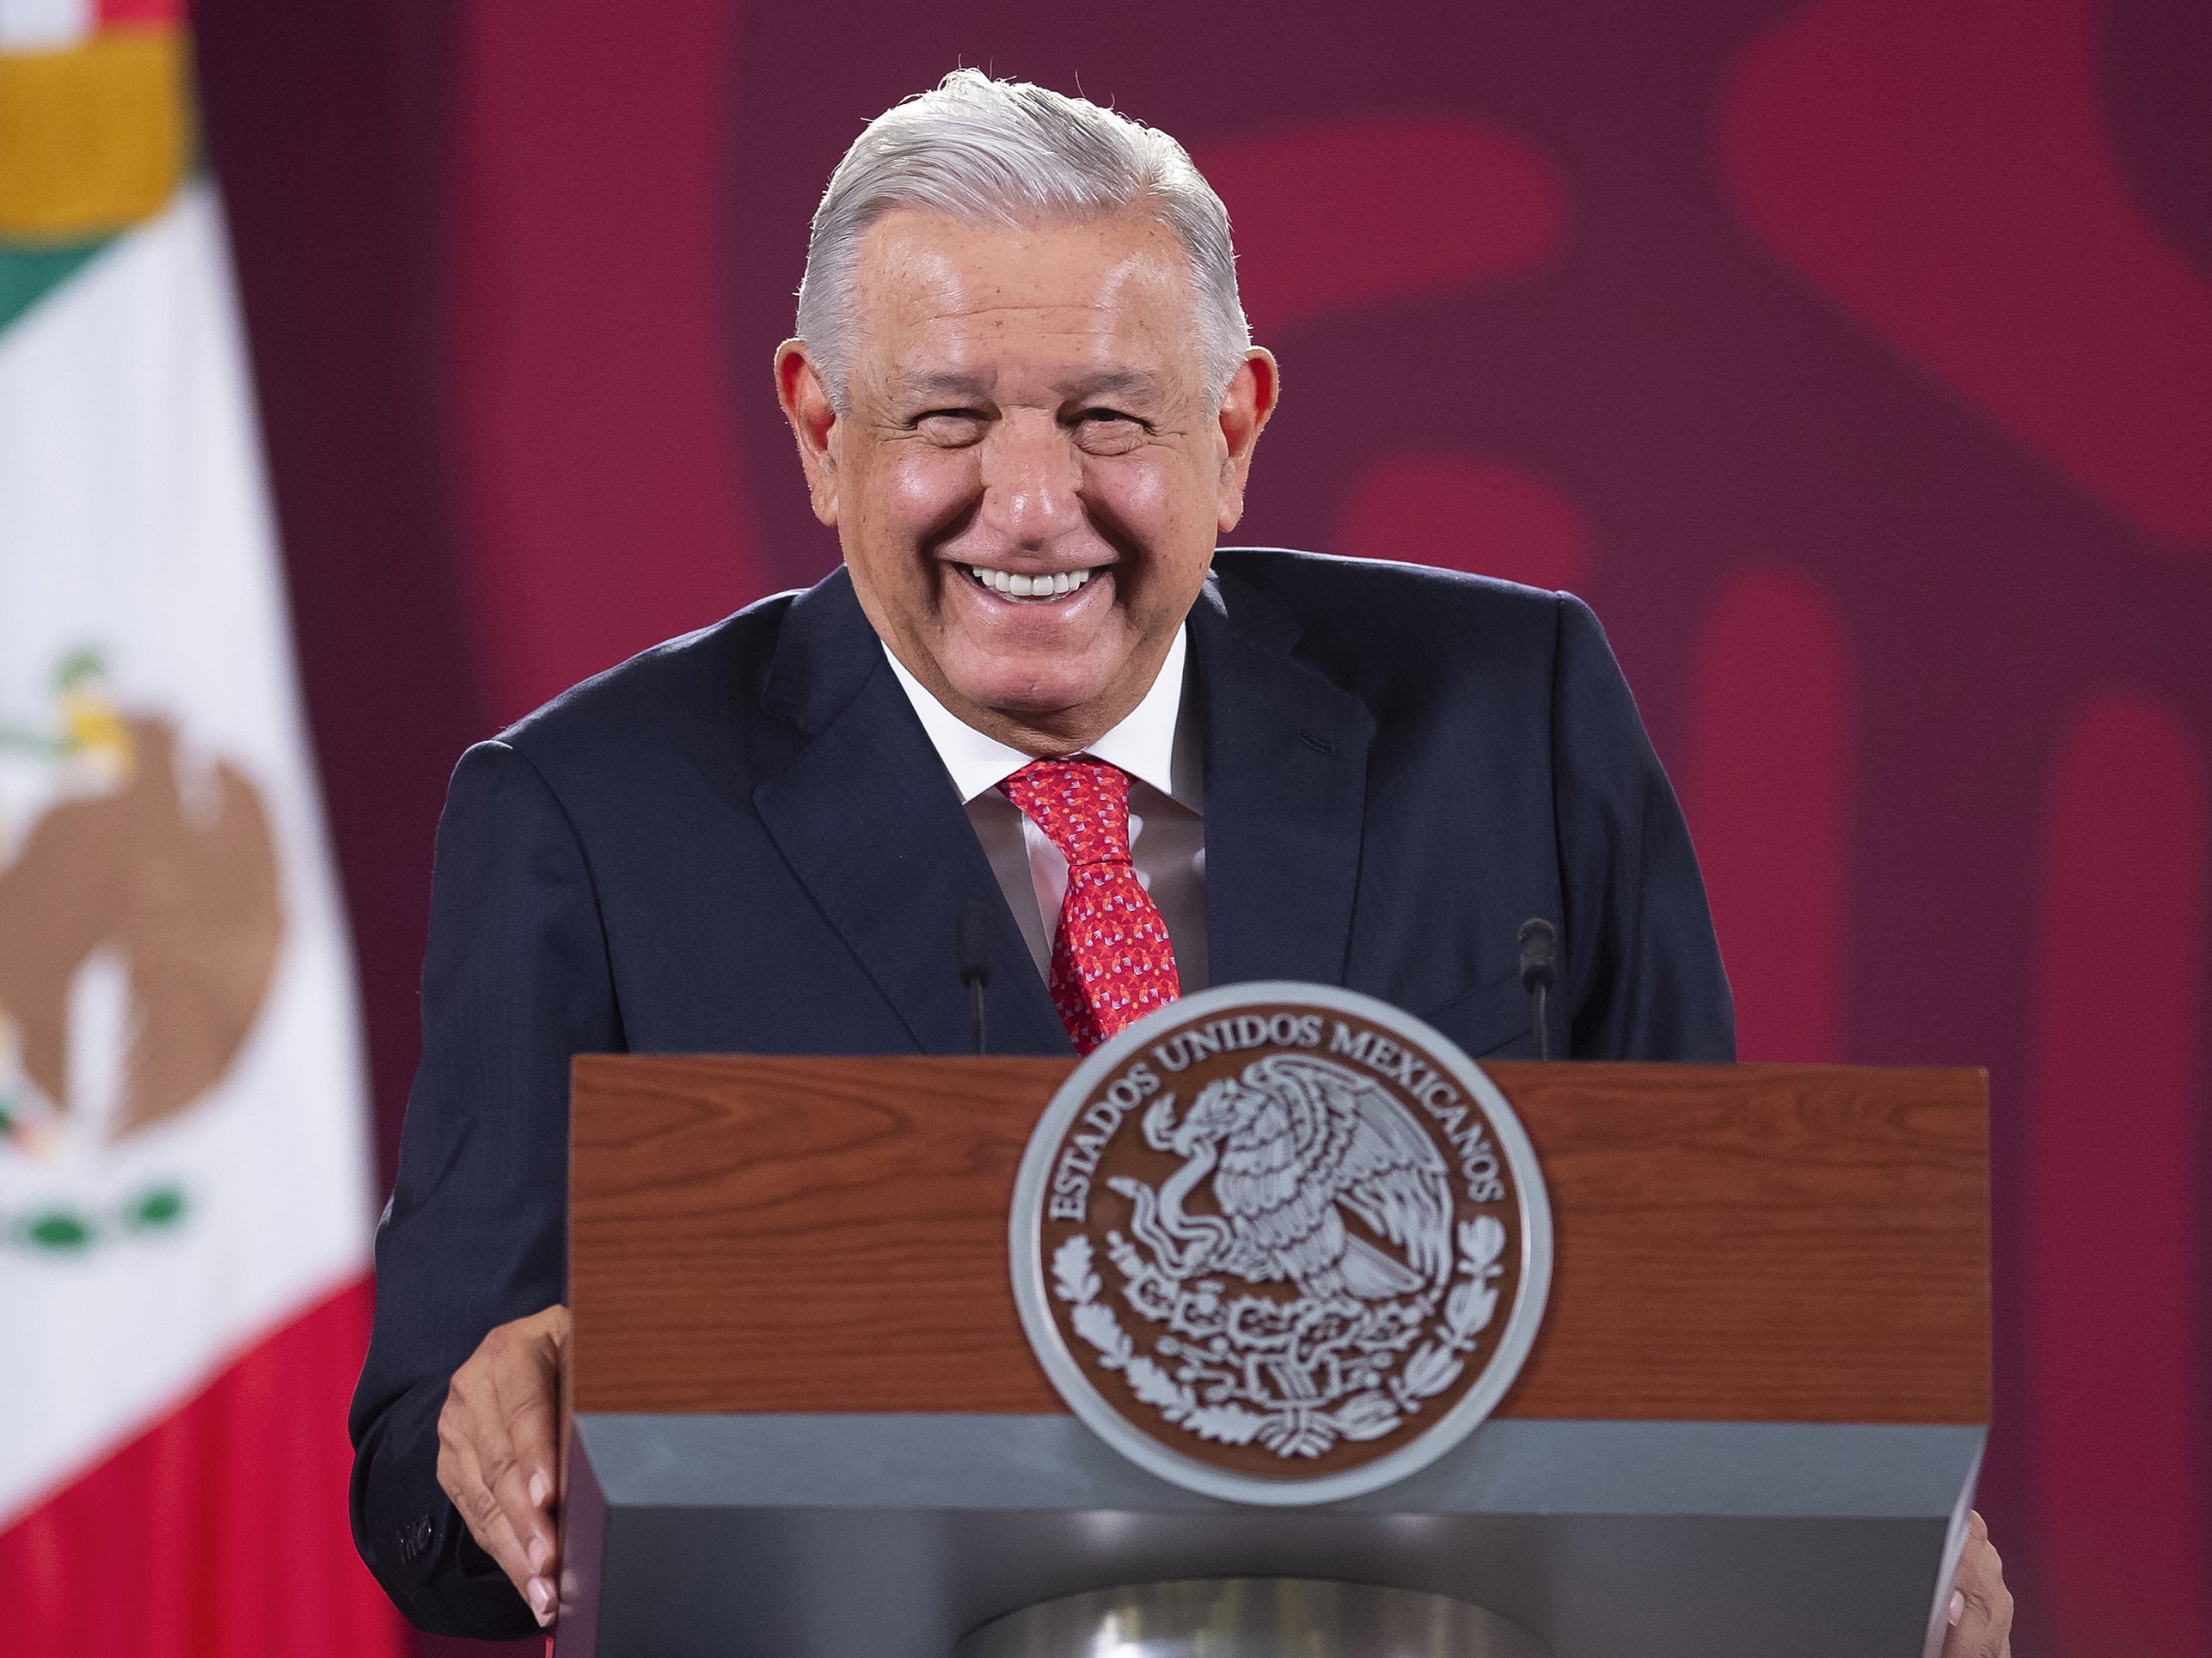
x=28 y=275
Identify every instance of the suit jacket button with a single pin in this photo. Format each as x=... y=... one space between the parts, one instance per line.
x=414 y=1537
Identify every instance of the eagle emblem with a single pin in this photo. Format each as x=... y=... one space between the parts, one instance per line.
x=1293 y=1145
x=141 y=921
x=1278 y=1245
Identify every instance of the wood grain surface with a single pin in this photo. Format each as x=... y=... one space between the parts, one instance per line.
x=1752 y=1243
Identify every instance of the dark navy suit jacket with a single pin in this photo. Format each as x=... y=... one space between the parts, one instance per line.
x=743 y=841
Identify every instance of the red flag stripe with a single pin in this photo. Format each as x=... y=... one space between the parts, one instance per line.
x=221 y=1530
x=112 y=12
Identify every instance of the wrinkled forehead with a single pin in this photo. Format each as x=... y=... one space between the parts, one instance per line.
x=939 y=300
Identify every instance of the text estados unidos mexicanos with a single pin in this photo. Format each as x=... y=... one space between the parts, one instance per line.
x=1095 y=1128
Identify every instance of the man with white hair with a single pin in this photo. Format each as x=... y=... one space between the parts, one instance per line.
x=1023 y=393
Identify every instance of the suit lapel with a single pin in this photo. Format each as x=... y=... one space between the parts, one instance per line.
x=1286 y=786
x=872 y=826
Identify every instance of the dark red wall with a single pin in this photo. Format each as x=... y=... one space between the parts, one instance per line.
x=1853 y=357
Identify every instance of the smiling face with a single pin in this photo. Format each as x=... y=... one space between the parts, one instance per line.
x=1029 y=477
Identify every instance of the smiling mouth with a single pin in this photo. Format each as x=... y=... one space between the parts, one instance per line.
x=1032 y=590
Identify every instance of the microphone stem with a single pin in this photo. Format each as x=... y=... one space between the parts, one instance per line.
x=975 y=1011
x=1543 y=1020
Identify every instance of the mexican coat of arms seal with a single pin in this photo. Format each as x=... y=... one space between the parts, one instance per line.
x=1280 y=1243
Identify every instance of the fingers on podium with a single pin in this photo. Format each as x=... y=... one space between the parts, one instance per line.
x=498 y=1456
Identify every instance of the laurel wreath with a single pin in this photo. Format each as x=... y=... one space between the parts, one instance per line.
x=1367 y=1415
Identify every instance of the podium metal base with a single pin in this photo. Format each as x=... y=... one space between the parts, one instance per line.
x=894 y=1536
x=1250 y=1618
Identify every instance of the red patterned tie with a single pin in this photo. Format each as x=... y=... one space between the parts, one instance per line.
x=1111 y=960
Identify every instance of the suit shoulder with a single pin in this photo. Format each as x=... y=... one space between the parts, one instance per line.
x=710 y=676
x=1360 y=616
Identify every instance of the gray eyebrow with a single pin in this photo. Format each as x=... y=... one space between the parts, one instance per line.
x=951 y=383
x=1107 y=382
x=1141 y=382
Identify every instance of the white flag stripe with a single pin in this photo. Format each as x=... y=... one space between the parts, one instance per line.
x=134 y=519
x=44 y=25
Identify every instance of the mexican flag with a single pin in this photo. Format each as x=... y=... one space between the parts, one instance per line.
x=185 y=1178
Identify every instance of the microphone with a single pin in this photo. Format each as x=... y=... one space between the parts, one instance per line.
x=1539 y=948
x=972 y=931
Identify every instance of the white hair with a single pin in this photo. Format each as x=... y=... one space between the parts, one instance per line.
x=1006 y=153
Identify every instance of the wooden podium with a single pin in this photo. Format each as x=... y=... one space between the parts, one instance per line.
x=805 y=1422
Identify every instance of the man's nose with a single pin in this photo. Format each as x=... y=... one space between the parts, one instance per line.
x=1032 y=481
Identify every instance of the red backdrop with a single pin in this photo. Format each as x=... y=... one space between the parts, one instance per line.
x=1853 y=357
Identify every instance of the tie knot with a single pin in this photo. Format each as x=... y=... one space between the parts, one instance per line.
x=1082 y=805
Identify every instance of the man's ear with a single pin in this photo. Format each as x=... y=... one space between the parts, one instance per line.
x=805 y=403
x=1245 y=406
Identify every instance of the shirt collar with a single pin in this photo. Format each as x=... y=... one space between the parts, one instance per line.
x=1143 y=744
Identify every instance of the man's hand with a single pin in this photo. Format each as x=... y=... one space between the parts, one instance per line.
x=496 y=1455
x=1981 y=1605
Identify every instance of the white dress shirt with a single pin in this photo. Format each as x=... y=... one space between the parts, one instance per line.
x=1159 y=748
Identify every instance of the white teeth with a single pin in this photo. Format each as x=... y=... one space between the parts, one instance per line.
x=1057 y=585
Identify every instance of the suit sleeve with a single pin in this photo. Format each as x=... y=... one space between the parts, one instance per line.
x=515 y=981
x=1642 y=971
